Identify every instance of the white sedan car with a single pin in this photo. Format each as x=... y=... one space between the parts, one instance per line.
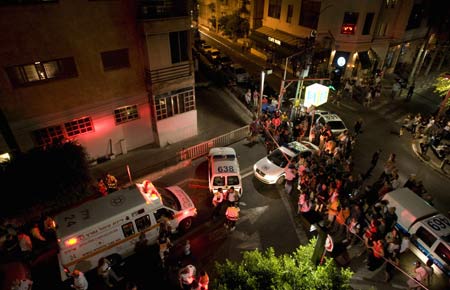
x=270 y=169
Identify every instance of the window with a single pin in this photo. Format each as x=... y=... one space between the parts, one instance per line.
x=290 y=11
x=219 y=181
x=443 y=252
x=416 y=17
x=51 y=134
x=115 y=59
x=390 y=3
x=349 y=23
x=125 y=114
x=48 y=135
x=143 y=223
x=274 y=8
x=23 y=2
x=78 y=126
x=232 y=180
x=368 y=23
x=427 y=237
x=41 y=71
x=309 y=13
x=128 y=229
x=179 y=46
x=163 y=212
x=174 y=103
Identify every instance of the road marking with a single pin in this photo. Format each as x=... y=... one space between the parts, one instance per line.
x=250 y=172
x=351 y=108
x=248 y=242
x=252 y=214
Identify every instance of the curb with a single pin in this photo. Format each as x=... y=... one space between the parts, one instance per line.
x=434 y=167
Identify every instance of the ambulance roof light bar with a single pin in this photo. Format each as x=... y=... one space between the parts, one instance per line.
x=148 y=191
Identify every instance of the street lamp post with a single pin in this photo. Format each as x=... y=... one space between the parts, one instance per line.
x=263 y=76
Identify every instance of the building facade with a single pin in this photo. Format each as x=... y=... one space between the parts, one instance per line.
x=110 y=75
x=365 y=36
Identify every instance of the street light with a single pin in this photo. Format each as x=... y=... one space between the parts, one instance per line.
x=263 y=76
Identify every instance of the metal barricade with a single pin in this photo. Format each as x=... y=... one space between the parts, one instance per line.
x=202 y=149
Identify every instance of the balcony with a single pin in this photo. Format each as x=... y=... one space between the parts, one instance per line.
x=156 y=9
x=168 y=73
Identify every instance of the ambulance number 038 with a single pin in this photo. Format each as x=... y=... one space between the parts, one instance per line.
x=225 y=169
x=439 y=223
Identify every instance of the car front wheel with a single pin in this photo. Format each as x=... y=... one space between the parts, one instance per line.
x=280 y=180
x=186 y=224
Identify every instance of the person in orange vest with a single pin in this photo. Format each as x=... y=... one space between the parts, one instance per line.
x=101 y=187
x=111 y=182
x=232 y=215
x=203 y=280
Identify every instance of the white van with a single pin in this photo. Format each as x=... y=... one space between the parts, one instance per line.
x=111 y=225
x=429 y=229
x=223 y=170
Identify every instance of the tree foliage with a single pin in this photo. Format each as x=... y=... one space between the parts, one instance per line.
x=442 y=85
x=264 y=270
x=44 y=179
x=234 y=25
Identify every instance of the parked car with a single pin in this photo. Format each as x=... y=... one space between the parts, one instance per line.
x=212 y=54
x=337 y=125
x=270 y=169
x=238 y=73
x=224 y=60
x=205 y=48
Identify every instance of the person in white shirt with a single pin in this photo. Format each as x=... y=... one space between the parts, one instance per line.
x=79 y=280
x=186 y=276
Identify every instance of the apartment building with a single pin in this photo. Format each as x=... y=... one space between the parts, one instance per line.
x=364 y=35
x=111 y=75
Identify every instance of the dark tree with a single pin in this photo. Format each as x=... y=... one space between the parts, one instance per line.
x=45 y=179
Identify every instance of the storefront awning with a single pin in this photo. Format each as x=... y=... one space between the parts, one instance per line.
x=364 y=59
x=283 y=37
x=282 y=48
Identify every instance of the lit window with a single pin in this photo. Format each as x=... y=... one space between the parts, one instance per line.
x=349 y=23
x=27 y=74
x=78 y=127
x=174 y=103
x=125 y=114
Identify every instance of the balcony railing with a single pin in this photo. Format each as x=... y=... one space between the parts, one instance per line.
x=155 y=9
x=168 y=73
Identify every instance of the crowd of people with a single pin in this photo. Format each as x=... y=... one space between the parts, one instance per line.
x=331 y=193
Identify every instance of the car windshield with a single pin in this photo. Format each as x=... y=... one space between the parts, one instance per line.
x=224 y=157
x=169 y=199
x=219 y=181
x=336 y=125
x=277 y=158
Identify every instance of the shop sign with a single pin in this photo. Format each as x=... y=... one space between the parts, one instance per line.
x=274 y=40
x=316 y=95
